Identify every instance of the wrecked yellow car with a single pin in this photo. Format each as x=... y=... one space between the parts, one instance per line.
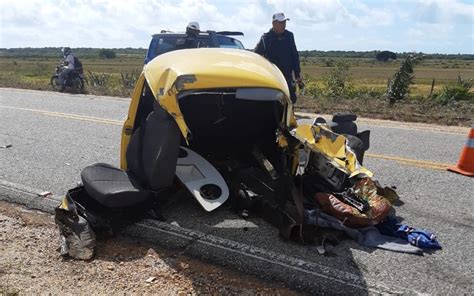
x=218 y=123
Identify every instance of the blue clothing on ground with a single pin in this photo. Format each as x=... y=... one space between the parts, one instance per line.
x=368 y=236
x=421 y=238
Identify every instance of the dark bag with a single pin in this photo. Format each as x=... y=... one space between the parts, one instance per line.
x=78 y=66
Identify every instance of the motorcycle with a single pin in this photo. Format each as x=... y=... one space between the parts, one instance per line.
x=75 y=79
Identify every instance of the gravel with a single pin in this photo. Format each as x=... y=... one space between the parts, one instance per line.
x=30 y=264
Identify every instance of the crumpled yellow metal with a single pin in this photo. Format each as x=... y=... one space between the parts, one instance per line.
x=64 y=203
x=321 y=139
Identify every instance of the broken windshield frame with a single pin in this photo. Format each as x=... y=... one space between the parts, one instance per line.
x=166 y=42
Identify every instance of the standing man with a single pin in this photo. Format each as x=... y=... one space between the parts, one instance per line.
x=191 y=40
x=278 y=46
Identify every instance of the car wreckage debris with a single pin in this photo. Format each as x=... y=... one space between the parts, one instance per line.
x=256 y=192
x=77 y=239
x=45 y=194
x=237 y=123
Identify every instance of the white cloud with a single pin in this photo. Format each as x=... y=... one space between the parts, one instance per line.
x=103 y=23
x=310 y=11
x=317 y=12
x=433 y=32
x=445 y=11
x=328 y=24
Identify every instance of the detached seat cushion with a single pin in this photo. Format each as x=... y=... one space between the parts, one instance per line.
x=112 y=187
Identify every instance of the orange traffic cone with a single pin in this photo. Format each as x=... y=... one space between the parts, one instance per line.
x=465 y=164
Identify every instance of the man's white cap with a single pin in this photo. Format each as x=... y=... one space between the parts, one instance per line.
x=193 y=25
x=280 y=17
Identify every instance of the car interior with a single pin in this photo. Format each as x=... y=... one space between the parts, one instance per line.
x=230 y=124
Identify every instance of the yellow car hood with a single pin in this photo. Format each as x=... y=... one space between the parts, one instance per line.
x=205 y=68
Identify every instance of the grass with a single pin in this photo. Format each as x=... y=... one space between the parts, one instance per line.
x=379 y=73
x=35 y=73
x=367 y=94
x=410 y=111
x=368 y=78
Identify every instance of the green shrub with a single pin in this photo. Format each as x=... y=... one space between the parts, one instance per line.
x=329 y=63
x=99 y=80
x=337 y=81
x=107 y=54
x=128 y=80
x=364 y=92
x=313 y=90
x=455 y=91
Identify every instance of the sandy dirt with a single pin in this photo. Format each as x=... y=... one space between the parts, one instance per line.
x=31 y=264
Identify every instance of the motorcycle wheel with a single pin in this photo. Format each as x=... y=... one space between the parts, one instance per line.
x=78 y=83
x=56 y=83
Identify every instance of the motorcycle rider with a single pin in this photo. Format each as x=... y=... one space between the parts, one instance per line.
x=68 y=63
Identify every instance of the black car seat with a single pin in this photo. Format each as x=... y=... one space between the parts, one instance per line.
x=151 y=156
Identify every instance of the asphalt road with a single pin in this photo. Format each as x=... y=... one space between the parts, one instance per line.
x=54 y=135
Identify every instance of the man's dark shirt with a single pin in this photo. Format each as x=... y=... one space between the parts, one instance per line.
x=280 y=49
x=190 y=41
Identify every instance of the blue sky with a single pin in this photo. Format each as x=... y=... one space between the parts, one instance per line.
x=430 y=26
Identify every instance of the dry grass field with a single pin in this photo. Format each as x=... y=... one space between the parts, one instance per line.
x=35 y=73
x=365 y=72
x=367 y=77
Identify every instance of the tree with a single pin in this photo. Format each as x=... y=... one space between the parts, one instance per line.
x=399 y=85
x=385 y=55
x=107 y=54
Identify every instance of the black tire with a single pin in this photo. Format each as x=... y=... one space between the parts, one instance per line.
x=78 y=83
x=55 y=83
